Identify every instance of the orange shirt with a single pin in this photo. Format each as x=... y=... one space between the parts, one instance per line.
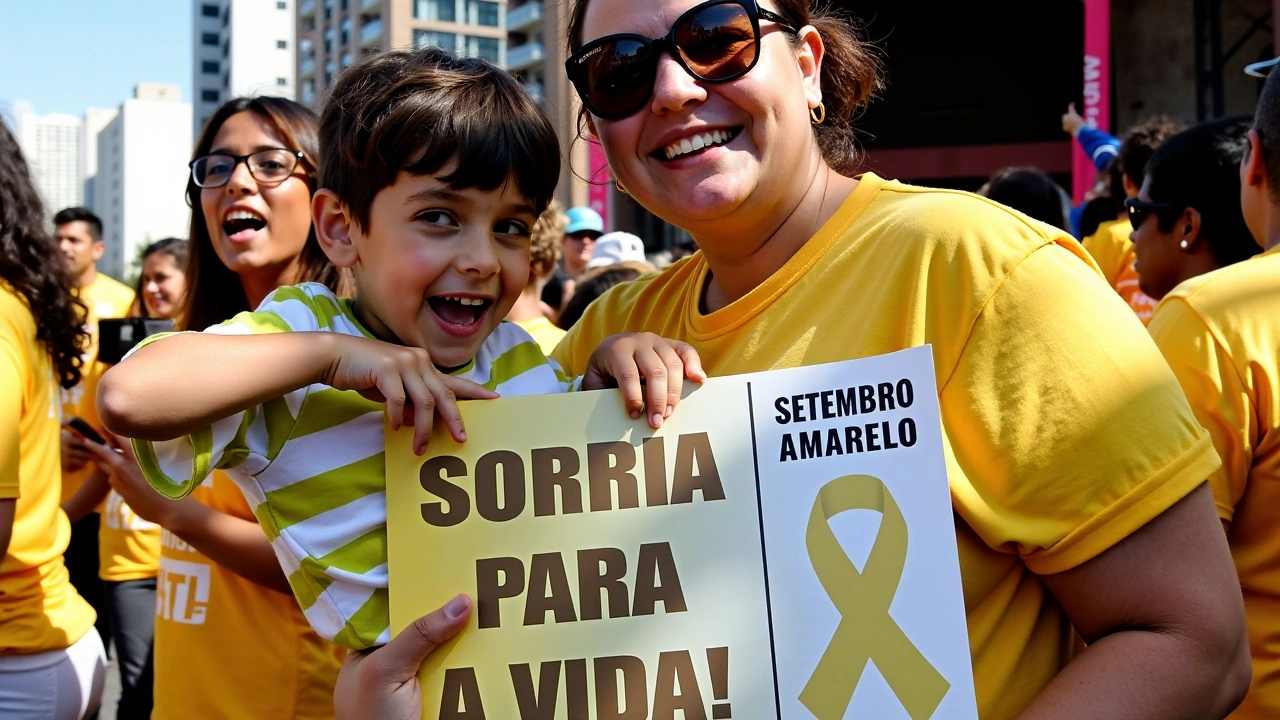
x=1112 y=249
x=39 y=610
x=227 y=648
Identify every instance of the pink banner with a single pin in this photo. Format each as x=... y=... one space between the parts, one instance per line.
x=601 y=178
x=1097 y=88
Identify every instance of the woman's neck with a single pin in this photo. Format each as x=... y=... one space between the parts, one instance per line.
x=528 y=307
x=260 y=282
x=742 y=261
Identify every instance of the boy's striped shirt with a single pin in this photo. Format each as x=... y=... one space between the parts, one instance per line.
x=311 y=463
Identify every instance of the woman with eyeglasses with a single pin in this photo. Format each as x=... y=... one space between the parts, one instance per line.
x=734 y=121
x=230 y=640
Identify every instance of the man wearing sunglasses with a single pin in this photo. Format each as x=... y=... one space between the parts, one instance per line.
x=1219 y=332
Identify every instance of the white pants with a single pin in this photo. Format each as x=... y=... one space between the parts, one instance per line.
x=54 y=685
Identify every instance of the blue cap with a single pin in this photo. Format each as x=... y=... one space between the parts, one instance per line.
x=1261 y=69
x=583 y=218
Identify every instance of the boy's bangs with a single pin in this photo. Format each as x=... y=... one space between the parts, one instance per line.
x=494 y=144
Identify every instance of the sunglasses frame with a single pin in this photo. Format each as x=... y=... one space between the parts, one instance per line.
x=1139 y=210
x=667 y=44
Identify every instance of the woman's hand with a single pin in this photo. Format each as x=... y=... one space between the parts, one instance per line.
x=622 y=361
x=1072 y=121
x=407 y=381
x=383 y=683
x=121 y=467
x=74 y=454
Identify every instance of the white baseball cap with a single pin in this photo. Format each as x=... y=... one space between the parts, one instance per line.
x=616 y=247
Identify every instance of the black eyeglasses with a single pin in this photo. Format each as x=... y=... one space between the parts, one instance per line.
x=1139 y=211
x=715 y=42
x=268 y=167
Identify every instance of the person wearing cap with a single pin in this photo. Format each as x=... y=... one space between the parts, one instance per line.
x=585 y=226
x=616 y=247
x=1218 y=332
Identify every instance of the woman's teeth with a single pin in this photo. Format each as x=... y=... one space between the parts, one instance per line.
x=698 y=142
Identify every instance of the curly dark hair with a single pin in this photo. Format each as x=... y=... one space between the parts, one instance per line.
x=31 y=264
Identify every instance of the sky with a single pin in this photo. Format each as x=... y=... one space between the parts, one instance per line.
x=63 y=56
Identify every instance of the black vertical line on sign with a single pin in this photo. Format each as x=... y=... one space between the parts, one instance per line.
x=764 y=557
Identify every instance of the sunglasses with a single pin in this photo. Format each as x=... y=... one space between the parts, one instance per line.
x=1139 y=211
x=715 y=42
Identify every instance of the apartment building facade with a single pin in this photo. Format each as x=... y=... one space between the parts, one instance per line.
x=51 y=144
x=241 y=47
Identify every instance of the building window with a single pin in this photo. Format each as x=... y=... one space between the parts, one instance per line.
x=209 y=96
x=309 y=92
x=481 y=47
x=210 y=39
x=346 y=31
x=439 y=10
x=482 y=12
x=282 y=44
x=210 y=67
x=207 y=10
x=430 y=38
x=282 y=81
x=282 y=5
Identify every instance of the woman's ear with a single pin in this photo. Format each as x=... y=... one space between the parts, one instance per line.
x=334 y=228
x=1253 y=166
x=1188 y=228
x=809 y=58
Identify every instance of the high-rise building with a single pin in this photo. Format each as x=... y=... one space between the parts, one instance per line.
x=51 y=144
x=95 y=119
x=142 y=174
x=240 y=47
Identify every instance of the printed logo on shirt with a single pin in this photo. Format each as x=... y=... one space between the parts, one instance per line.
x=120 y=516
x=173 y=542
x=182 y=591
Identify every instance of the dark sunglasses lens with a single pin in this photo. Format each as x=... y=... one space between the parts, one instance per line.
x=1137 y=216
x=718 y=43
x=619 y=77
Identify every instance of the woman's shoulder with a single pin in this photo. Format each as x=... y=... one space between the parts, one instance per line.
x=960 y=216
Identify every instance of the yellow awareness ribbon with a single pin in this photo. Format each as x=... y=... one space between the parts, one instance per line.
x=866 y=630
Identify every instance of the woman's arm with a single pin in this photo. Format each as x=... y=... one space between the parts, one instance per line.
x=235 y=543
x=89 y=496
x=1164 y=620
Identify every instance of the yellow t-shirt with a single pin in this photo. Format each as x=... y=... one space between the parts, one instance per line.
x=1064 y=430
x=128 y=546
x=1112 y=249
x=104 y=298
x=1220 y=333
x=227 y=648
x=543 y=332
x=39 y=610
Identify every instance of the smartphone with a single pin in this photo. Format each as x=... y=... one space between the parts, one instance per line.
x=86 y=430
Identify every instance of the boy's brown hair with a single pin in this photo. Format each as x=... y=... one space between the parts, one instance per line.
x=420 y=111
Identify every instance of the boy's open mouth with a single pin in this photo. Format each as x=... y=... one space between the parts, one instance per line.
x=459 y=311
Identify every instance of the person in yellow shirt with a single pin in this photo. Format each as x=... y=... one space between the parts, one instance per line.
x=1110 y=245
x=1220 y=332
x=529 y=312
x=52 y=663
x=79 y=235
x=1077 y=470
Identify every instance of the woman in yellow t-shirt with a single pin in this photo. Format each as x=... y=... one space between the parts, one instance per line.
x=52 y=663
x=1219 y=331
x=230 y=640
x=1077 y=470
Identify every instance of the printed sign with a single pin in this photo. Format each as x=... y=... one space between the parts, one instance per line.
x=783 y=547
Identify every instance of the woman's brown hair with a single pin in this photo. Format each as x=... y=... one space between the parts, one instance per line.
x=851 y=75
x=214 y=291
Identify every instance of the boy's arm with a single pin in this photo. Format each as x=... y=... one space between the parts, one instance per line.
x=188 y=381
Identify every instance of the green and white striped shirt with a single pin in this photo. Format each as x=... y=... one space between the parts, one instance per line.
x=311 y=463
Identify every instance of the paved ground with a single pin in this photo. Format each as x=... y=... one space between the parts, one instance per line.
x=111 y=694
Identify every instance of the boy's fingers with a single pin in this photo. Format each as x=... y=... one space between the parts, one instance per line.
x=692 y=362
x=656 y=374
x=421 y=413
x=467 y=389
x=628 y=380
x=446 y=405
x=674 y=385
x=393 y=390
x=398 y=661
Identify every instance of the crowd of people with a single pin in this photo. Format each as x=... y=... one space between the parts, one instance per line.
x=211 y=507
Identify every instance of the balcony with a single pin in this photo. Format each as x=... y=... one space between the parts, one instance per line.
x=371 y=32
x=307 y=8
x=526 y=17
x=524 y=56
x=370 y=8
x=307 y=66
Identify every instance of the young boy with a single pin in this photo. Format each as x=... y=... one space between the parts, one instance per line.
x=436 y=170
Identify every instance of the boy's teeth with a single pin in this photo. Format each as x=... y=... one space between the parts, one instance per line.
x=697 y=142
x=466 y=301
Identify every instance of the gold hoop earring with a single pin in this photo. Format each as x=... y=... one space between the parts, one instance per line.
x=620 y=188
x=818 y=114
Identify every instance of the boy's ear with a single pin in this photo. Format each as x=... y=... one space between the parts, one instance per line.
x=334 y=228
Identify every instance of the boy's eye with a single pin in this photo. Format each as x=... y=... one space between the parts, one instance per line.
x=511 y=227
x=436 y=217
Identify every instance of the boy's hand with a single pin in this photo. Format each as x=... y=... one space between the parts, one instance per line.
x=406 y=380
x=623 y=360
